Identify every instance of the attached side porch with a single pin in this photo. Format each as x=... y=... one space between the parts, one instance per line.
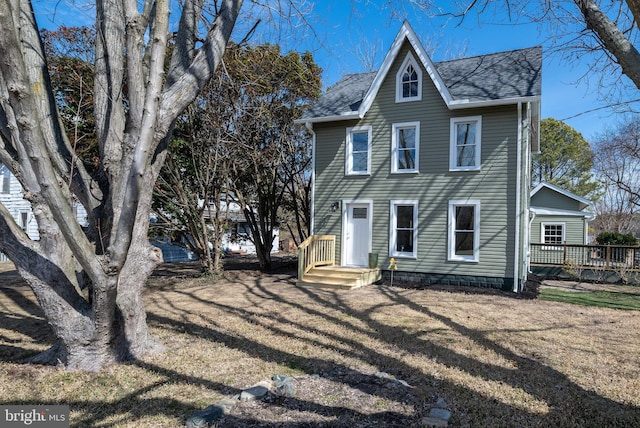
x=317 y=267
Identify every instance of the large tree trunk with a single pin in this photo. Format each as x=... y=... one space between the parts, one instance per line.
x=89 y=282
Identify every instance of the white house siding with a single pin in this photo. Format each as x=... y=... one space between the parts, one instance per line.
x=20 y=208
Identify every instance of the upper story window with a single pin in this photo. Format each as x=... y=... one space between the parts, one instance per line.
x=464 y=153
x=405 y=147
x=5 y=176
x=409 y=81
x=358 y=151
x=403 y=241
x=464 y=230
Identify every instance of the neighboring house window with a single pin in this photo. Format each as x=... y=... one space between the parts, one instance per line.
x=24 y=220
x=464 y=153
x=409 y=81
x=5 y=176
x=553 y=233
x=403 y=241
x=464 y=230
x=358 y=155
x=405 y=146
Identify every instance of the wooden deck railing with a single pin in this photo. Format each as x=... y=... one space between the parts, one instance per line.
x=316 y=250
x=590 y=256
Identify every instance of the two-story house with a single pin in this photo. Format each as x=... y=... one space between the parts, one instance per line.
x=428 y=163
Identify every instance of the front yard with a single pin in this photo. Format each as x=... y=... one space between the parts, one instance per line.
x=494 y=359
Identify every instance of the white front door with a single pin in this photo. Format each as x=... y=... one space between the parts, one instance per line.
x=357 y=234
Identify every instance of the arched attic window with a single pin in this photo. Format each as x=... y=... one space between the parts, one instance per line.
x=409 y=81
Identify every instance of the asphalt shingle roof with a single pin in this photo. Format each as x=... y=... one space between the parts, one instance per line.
x=345 y=96
x=503 y=75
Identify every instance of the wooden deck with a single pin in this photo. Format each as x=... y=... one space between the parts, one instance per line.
x=340 y=277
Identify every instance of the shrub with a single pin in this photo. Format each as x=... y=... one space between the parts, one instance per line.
x=616 y=238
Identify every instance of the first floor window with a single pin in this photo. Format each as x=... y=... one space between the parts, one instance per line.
x=404 y=230
x=5 y=176
x=464 y=230
x=24 y=220
x=358 y=150
x=405 y=146
x=464 y=152
x=553 y=233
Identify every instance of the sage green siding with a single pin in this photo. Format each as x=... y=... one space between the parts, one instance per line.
x=549 y=198
x=434 y=186
x=575 y=228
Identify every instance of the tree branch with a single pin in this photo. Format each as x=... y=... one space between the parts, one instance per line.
x=612 y=38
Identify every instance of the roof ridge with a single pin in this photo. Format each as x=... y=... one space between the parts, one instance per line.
x=488 y=54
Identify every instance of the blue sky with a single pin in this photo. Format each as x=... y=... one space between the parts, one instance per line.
x=563 y=94
x=343 y=27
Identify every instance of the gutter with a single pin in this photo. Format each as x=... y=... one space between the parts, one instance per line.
x=453 y=105
x=516 y=258
x=309 y=126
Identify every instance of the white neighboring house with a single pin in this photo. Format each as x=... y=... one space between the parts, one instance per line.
x=11 y=196
x=236 y=238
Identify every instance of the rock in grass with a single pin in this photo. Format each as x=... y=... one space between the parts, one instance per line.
x=255 y=392
x=206 y=417
x=284 y=385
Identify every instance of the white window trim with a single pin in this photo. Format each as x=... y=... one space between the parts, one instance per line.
x=452 y=256
x=409 y=59
x=393 y=235
x=453 y=152
x=552 y=247
x=395 y=148
x=348 y=167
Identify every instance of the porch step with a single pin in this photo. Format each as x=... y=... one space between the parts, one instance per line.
x=340 y=277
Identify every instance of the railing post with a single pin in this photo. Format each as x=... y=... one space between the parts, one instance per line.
x=301 y=262
x=607 y=257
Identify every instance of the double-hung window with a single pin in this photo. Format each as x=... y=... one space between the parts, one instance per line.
x=464 y=230
x=405 y=147
x=358 y=151
x=553 y=234
x=5 y=176
x=464 y=151
x=403 y=241
x=409 y=81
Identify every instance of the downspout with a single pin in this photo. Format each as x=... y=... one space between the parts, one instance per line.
x=309 y=127
x=532 y=216
x=516 y=258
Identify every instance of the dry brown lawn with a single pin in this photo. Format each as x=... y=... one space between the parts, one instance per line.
x=496 y=360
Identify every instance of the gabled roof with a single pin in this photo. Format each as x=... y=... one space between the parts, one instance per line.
x=500 y=78
x=583 y=202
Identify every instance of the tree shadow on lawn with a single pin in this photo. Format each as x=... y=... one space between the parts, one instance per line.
x=31 y=323
x=280 y=309
x=568 y=403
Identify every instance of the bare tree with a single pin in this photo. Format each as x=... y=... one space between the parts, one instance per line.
x=617 y=166
x=136 y=104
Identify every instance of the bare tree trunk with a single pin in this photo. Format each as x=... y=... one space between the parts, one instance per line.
x=89 y=284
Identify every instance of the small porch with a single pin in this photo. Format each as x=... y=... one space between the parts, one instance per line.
x=317 y=268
